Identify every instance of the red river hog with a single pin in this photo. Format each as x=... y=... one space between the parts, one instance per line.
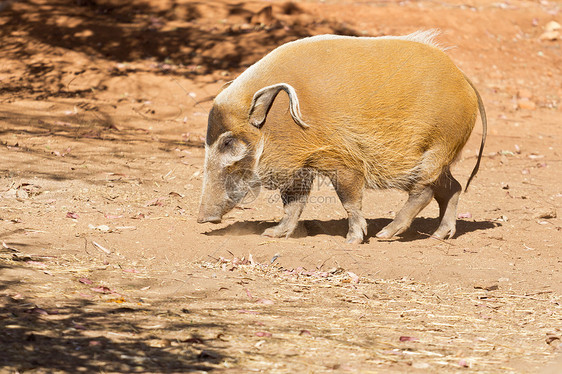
x=366 y=112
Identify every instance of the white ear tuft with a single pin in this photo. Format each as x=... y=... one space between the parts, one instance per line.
x=263 y=99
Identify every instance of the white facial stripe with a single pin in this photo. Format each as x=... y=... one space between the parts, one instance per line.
x=259 y=152
x=212 y=152
x=214 y=156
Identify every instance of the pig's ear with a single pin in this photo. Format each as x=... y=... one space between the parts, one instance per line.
x=263 y=99
x=230 y=149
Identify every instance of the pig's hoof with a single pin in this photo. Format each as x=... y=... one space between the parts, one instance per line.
x=357 y=230
x=444 y=231
x=275 y=232
x=385 y=234
x=391 y=230
x=354 y=240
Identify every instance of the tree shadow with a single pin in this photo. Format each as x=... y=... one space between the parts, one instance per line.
x=79 y=128
x=187 y=39
x=110 y=333
x=184 y=38
x=84 y=336
x=421 y=228
x=82 y=140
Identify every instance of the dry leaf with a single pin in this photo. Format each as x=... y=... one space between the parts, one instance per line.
x=159 y=201
x=118 y=300
x=353 y=277
x=263 y=334
x=408 y=339
x=101 y=289
x=85 y=281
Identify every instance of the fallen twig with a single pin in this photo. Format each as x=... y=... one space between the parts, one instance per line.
x=98 y=246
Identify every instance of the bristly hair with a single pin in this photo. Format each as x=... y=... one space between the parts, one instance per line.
x=421 y=36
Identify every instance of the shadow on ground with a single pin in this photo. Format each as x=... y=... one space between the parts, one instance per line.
x=421 y=228
x=195 y=38
x=83 y=336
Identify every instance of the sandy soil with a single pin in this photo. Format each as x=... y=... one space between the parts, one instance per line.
x=103 y=107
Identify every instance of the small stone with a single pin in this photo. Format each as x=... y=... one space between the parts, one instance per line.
x=550 y=35
x=527 y=104
x=264 y=16
x=546 y=214
x=22 y=194
x=491 y=287
x=103 y=228
x=10 y=194
x=84 y=34
x=552 y=339
x=525 y=93
x=207 y=355
x=159 y=343
x=552 y=26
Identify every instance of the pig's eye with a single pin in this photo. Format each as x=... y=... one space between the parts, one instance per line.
x=228 y=142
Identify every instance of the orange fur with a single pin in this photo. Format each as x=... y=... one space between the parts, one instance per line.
x=390 y=112
x=396 y=111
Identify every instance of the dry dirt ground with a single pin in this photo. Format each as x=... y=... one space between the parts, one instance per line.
x=103 y=268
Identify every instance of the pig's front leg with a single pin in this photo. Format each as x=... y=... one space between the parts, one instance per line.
x=294 y=200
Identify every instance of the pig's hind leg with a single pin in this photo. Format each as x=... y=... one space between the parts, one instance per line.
x=447 y=191
x=349 y=187
x=418 y=199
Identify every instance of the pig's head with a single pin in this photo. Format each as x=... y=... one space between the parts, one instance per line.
x=233 y=147
x=230 y=167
